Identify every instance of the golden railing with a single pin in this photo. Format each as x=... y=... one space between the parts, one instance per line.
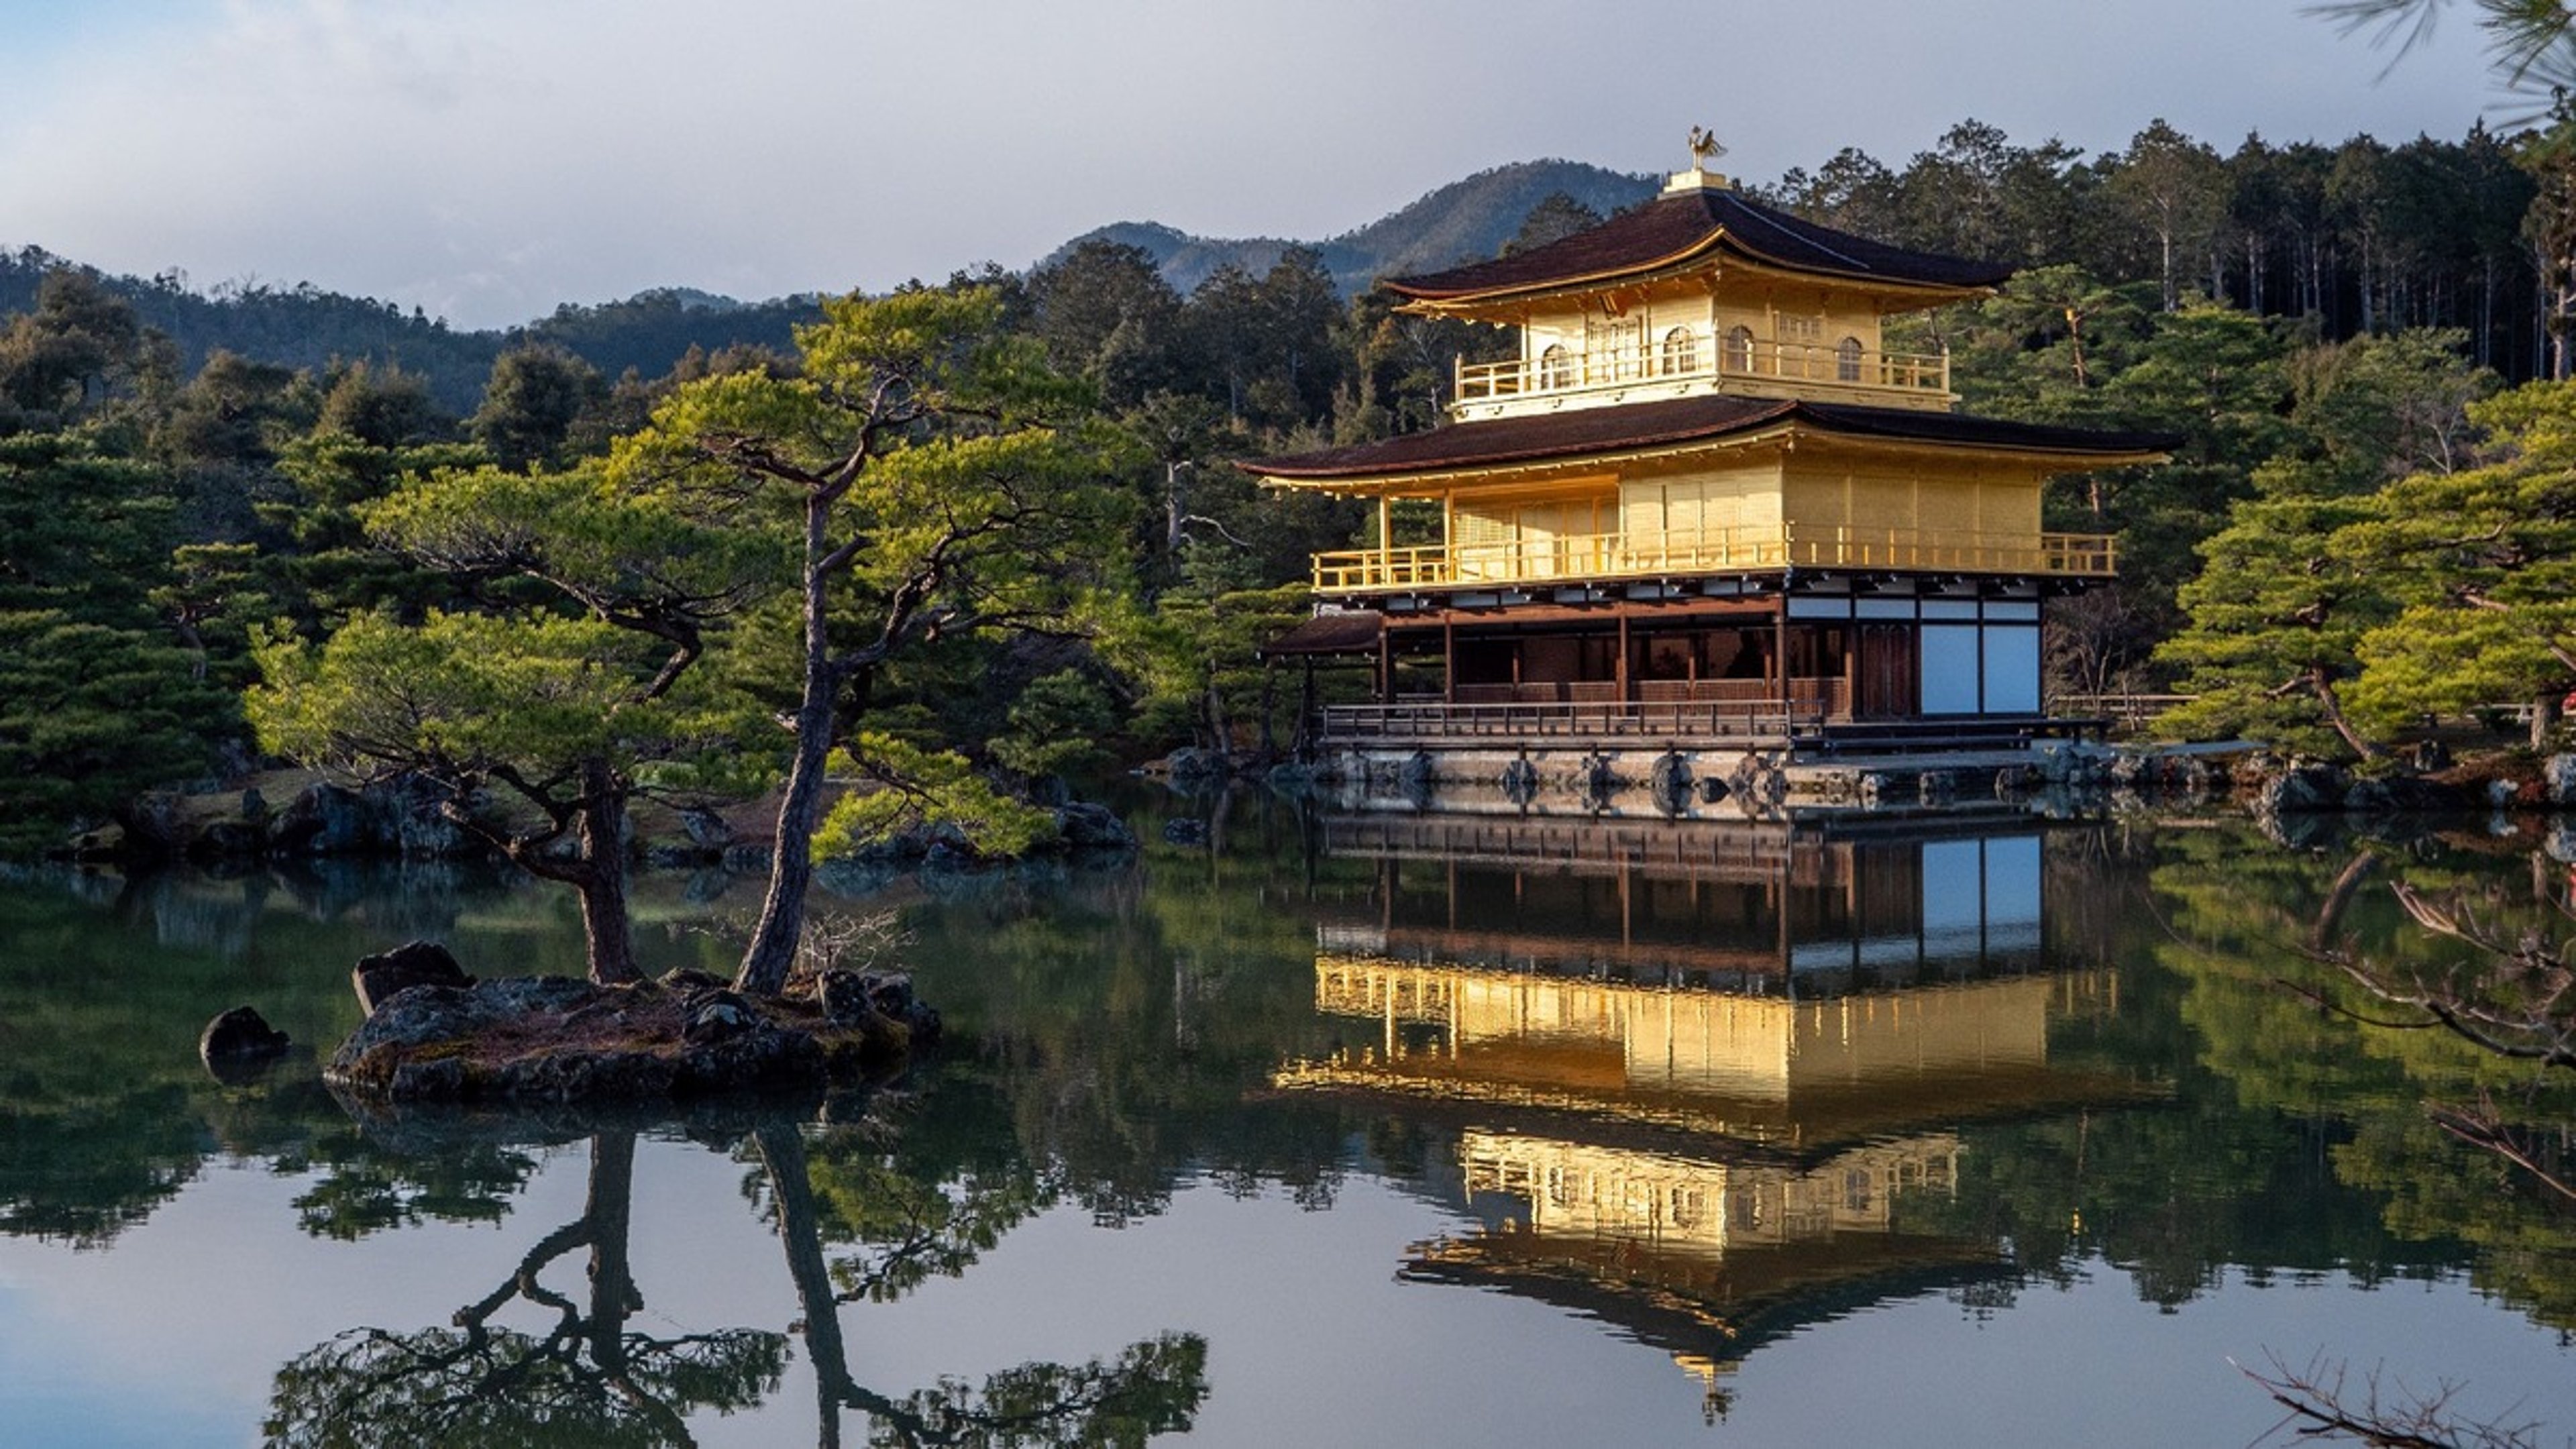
x=1577 y=558
x=1802 y=362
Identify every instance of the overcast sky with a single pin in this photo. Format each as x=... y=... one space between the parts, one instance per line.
x=487 y=159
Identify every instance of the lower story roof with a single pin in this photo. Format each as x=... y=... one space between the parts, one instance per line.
x=1582 y=432
x=1340 y=631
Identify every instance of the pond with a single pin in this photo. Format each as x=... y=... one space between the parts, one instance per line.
x=1417 y=1129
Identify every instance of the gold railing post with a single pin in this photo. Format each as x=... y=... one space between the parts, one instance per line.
x=1385 y=542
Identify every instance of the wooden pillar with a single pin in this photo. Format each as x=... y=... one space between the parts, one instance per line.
x=1851 y=664
x=1385 y=541
x=1619 y=666
x=1780 y=649
x=1385 y=666
x=1449 y=661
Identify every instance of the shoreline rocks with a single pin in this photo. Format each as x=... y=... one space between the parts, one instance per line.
x=405 y=818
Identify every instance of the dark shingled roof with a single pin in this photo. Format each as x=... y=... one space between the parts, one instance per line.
x=1578 y=432
x=1673 y=228
x=1342 y=631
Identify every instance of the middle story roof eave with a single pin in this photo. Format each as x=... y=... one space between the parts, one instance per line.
x=1410 y=482
x=1790 y=423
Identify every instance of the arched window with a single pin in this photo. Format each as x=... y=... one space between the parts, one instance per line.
x=1555 y=367
x=1847 y=360
x=1739 y=350
x=1681 y=352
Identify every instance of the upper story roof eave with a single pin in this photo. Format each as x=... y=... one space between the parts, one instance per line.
x=1680 y=230
x=1507 y=305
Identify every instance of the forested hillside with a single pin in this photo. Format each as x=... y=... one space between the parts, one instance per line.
x=2362 y=237
x=302 y=327
x=2331 y=331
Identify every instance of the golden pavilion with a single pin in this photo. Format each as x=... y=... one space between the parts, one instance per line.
x=1704 y=505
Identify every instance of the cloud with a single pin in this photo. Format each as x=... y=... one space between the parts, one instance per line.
x=490 y=158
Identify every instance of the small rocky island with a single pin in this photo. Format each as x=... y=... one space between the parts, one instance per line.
x=435 y=1034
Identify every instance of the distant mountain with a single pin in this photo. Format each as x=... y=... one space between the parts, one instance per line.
x=1463 y=221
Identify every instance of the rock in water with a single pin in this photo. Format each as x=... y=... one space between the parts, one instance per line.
x=1092 y=827
x=239 y=1045
x=877 y=998
x=417 y=963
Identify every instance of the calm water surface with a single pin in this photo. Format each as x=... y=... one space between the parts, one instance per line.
x=1412 y=1130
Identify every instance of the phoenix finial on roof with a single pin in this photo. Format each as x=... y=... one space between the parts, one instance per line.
x=1704 y=146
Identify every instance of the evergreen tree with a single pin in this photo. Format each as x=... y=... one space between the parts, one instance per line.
x=2275 y=620
x=535 y=396
x=564 y=713
x=98 y=702
x=1104 y=312
x=2483 y=563
x=1556 y=217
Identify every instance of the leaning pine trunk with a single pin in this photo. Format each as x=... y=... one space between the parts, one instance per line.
x=2544 y=719
x=772 y=953
x=2321 y=686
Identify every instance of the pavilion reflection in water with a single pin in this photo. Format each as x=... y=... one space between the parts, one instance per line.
x=1696 y=1070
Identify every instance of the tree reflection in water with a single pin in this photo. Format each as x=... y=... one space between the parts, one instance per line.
x=1153 y=1386
x=592 y=1377
x=589 y=1379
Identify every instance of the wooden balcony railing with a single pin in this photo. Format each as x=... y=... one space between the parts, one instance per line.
x=1739 y=711
x=1564 y=371
x=1580 y=558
